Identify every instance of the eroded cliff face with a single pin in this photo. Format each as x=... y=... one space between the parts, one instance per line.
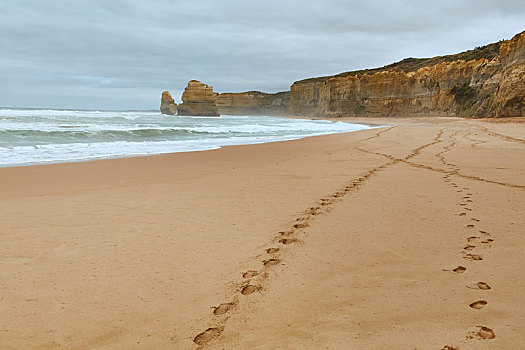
x=484 y=82
x=167 y=104
x=488 y=81
x=253 y=103
x=198 y=99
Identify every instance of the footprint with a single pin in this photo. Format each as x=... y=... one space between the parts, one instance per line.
x=478 y=304
x=469 y=247
x=487 y=241
x=474 y=219
x=484 y=232
x=286 y=233
x=471 y=238
x=272 y=250
x=462 y=214
x=448 y=347
x=470 y=226
x=480 y=285
x=250 y=274
x=459 y=269
x=207 y=335
x=301 y=225
x=467 y=209
x=271 y=262
x=288 y=240
x=249 y=289
x=485 y=333
x=469 y=200
x=223 y=308
x=476 y=257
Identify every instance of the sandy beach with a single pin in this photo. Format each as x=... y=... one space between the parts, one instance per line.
x=409 y=236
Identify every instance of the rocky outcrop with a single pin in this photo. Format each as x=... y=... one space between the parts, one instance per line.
x=253 y=103
x=488 y=81
x=167 y=104
x=198 y=99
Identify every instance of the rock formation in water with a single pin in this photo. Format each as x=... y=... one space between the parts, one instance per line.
x=253 y=103
x=198 y=99
x=167 y=104
x=488 y=81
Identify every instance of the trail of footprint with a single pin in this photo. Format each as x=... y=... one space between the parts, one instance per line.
x=301 y=223
x=484 y=332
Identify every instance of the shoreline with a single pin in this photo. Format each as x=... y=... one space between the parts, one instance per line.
x=351 y=237
x=291 y=138
x=190 y=145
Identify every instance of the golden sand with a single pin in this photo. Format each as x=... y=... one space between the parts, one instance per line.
x=402 y=237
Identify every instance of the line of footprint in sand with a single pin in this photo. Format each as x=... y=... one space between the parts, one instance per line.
x=253 y=280
x=473 y=244
x=501 y=136
x=415 y=152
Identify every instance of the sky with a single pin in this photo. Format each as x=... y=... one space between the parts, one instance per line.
x=100 y=54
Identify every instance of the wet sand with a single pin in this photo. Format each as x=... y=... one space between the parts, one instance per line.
x=408 y=236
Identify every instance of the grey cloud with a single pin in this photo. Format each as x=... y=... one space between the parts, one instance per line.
x=122 y=54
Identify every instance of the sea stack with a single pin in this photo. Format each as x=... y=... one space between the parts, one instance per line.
x=167 y=104
x=198 y=99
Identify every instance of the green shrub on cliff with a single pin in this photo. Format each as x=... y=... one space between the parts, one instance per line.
x=466 y=99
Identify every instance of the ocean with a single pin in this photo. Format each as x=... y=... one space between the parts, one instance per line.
x=40 y=136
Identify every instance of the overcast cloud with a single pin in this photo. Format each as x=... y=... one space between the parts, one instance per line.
x=101 y=54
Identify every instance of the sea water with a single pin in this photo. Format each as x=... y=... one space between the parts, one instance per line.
x=36 y=136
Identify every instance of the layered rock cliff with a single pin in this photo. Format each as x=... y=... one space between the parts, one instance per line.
x=253 y=103
x=488 y=81
x=167 y=104
x=198 y=99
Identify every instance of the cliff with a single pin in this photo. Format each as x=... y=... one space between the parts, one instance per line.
x=167 y=104
x=488 y=81
x=253 y=103
x=198 y=99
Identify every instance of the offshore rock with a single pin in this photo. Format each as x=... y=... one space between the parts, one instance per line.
x=198 y=99
x=167 y=104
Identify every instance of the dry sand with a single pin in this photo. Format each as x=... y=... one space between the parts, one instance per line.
x=136 y=253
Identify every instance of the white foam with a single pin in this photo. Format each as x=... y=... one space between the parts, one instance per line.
x=84 y=135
